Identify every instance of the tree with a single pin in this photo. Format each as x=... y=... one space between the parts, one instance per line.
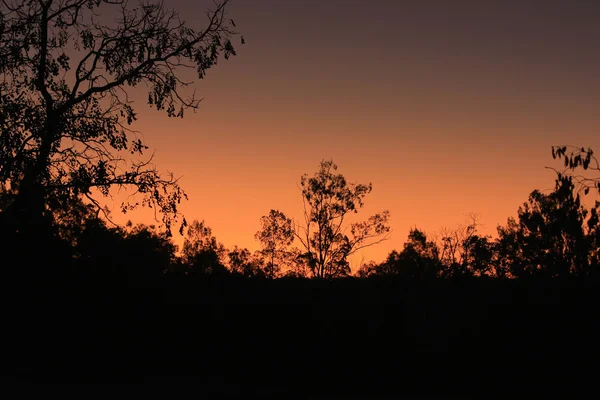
x=419 y=258
x=139 y=253
x=367 y=269
x=576 y=158
x=275 y=235
x=65 y=114
x=479 y=255
x=327 y=241
x=296 y=264
x=593 y=241
x=201 y=252
x=549 y=238
x=146 y=253
x=463 y=251
x=510 y=262
x=242 y=262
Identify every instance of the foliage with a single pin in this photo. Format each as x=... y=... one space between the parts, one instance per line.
x=141 y=254
x=577 y=158
x=463 y=251
x=418 y=259
x=275 y=235
x=328 y=200
x=201 y=252
x=549 y=237
x=553 y=236
x=295 y=262
x=246 y=264
x=367 y=269
x=65 y=114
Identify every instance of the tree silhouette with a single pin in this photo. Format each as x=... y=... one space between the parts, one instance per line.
x=275 y=235
x=328 y=199
x=64 y=108
x=201 y=252
x=457 y=245
x=367 y=269
x=296 y=263
x=419 y=258
x=457 y=252
x=479 y=255
x=593 y=241
x=137 y=254
x=243 y=263
x=578 y=158
x=146 y=253
x=549 y=237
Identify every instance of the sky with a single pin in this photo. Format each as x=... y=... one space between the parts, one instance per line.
x=446 y=107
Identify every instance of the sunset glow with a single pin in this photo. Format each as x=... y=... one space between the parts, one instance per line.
x=448 y=108
x=316 y=197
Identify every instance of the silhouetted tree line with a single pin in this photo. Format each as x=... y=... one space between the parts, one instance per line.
x=65 y=139
x=66 y=142
x=554 y=236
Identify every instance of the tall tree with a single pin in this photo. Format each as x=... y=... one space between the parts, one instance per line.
x=326 y=237
x=275 y=235
x=66 y=69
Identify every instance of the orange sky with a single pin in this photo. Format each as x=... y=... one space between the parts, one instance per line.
x=447 y=107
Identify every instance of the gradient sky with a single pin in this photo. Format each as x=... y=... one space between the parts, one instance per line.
x=447 y=107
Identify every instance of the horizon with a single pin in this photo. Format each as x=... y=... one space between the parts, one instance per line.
x=462 y=132
x=449 y=110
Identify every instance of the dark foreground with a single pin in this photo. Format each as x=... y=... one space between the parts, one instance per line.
x=359 y=337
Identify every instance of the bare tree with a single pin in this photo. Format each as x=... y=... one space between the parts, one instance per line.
x=65 y=113
x=461 y=249
x=327 y=240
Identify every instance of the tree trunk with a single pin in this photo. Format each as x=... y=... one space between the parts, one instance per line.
x=26 y=214
x=30 y=199
x=26 y=230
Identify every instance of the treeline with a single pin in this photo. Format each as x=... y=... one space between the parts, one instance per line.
x=67 y=141
x=554 y=235
x=123 y=304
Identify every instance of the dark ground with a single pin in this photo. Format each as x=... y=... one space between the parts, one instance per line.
x=348 y=337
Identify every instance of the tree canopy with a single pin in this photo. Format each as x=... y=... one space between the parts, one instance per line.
x=65 y=113
x=275 y=235
x=327 y=239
